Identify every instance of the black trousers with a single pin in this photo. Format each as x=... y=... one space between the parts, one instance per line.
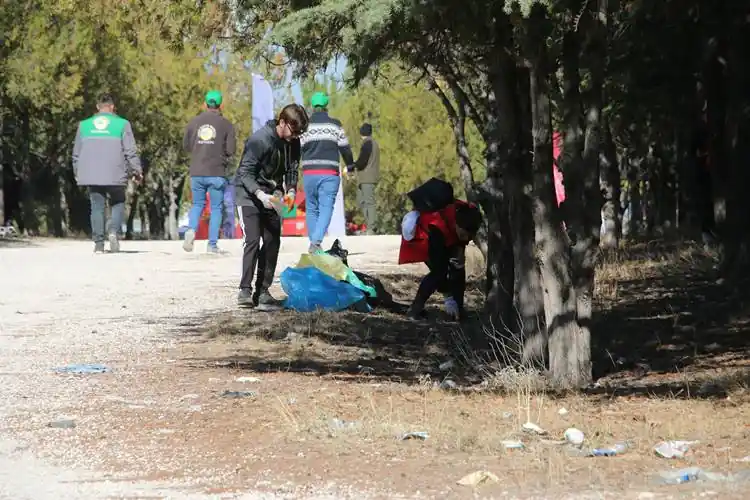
x=447 y=271
x=259 y=223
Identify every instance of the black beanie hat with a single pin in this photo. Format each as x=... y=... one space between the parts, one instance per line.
x=365 y=130
x=468 y=217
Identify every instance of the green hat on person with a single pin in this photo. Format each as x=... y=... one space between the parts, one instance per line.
x=213 y=98
x=319 y=100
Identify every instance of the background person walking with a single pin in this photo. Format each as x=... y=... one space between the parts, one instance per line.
x=322 y=144
x=210 y=139
x=104 y=156
x=367 y=167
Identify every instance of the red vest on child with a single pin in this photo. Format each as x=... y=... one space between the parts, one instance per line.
x=417 y=249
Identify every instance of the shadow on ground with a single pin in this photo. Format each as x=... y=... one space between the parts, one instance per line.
x=379 y=345
x=668 y=326
x=664 y=326
x=16 y=242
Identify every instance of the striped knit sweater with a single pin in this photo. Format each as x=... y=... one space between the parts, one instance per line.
x=321 y=145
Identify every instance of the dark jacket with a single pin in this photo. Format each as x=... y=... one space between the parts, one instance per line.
x=321 y=145
x=367 y=165
x=104 y=152
x=211 y=142
x=268 y=163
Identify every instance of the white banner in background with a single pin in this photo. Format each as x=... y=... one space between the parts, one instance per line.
x=262 y=108
x=337 y=227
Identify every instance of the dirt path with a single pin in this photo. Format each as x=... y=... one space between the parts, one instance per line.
x=156 y=426
x=59 y=305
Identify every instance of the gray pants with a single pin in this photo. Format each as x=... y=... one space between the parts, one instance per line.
x=366 y=202
x=98 y=198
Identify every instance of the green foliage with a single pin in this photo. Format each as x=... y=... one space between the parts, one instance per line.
x=58 y=58
x=415 y=138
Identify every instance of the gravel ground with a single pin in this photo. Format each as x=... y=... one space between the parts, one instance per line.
x=60 y=304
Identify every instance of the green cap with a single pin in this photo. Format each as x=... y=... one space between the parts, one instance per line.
x=319 y=100
x=213 y=97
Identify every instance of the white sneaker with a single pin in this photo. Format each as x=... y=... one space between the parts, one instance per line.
x=114 y=243
x=187 y=245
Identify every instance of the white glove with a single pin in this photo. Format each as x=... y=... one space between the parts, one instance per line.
x=265 y=199
x=451 y=307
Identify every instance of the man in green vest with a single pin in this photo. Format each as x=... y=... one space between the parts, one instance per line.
x=104 y=158
x=367 y=167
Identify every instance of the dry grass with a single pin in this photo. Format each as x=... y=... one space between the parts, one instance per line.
x=644 y=261
x=306 y=427
x=336 y=392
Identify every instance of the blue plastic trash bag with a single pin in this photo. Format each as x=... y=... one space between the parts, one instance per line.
x=309 y=288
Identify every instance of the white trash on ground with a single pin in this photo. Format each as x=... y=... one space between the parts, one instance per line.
x=574 y=436
x=478 y=478
x=674 y=449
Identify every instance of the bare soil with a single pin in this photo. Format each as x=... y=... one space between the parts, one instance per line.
x=333 y=394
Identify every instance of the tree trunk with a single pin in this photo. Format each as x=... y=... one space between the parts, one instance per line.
x=135 y=198
x=62 y=223
x=28 y=192
x=499 y=286
x=3 y=157
x=569 y=345
x=634 y=199
x=155 y=209
x=581 y=155
x=610 y=185
x=650 y=194
x=736 y=236
x=171 y=230
x=585 y=250
x=526 y=325
x=716 y=112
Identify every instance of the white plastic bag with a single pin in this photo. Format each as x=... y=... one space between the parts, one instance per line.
x=409 y=225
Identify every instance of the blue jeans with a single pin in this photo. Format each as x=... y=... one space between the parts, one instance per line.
x=214 y=186
x=320 y=196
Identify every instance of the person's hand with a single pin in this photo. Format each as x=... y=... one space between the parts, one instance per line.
x=265 y=199
x=138 y=178
x=290 y=197
x=451 y=308
x=278 y=201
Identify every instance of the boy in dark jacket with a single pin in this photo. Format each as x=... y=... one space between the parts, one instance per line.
x=267 y=170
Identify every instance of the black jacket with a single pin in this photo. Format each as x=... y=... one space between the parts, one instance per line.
x=268 y=163
x=210 y=140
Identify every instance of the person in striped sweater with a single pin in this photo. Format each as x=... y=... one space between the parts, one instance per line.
x=321 y=145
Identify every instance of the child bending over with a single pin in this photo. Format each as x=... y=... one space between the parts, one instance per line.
x=439 y=239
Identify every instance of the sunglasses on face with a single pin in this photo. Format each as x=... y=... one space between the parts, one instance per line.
x=293 y=131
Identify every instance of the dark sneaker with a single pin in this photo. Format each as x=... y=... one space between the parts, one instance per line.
x=99 y=247
x=416 y=313
x=266 y=302
x=245 y=298
x=187 y=245
x=114 y=243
